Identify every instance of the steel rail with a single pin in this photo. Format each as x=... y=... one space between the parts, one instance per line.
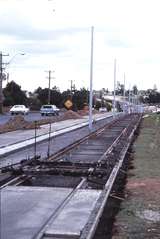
x=15 y=181
x=41 y=231
x=89 y=231
x=70 y=147
x=67 y=148
x=78 y=142
x=90 y=228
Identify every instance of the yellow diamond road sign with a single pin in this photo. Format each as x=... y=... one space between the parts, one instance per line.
x=68 y=104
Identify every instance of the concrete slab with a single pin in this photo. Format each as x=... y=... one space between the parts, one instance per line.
x=88 y=152
x=24 y=210
x=91 y=147
x=84 y=158
x=74 y=216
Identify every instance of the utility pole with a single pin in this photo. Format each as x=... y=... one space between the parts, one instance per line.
x=49 y=85
x=1 y=72
x=1 y=79
x=71 y=86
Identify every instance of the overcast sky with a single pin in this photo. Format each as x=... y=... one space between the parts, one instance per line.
x=55 y=35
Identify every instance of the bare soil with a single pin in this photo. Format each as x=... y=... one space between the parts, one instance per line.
x=18 y=122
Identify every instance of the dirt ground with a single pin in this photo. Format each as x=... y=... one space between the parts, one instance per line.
x=18 y=122
x=139 y=216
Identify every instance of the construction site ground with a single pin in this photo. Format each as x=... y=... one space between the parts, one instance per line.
x=19 y=130
x=139 y=214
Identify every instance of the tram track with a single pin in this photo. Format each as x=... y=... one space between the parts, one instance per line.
x=91 y=163
x=93 y=156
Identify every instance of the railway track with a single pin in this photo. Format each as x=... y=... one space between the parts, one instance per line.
x=91 y=163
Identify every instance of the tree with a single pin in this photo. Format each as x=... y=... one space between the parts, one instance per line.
x=154 y=97
x=42 y=95
x=135 y=90
x=154 y=87
x=13 y=94
x=80 y=98
x=119 y=88
x=56 y=97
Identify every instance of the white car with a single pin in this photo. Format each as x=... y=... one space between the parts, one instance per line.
x=103 y=109
x=19 y=109
x=49 y=110
x=158 y=111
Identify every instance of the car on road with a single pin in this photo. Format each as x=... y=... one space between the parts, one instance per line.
x=49 y=110
x=158 y=110
x=19 y=109
x=103 y=109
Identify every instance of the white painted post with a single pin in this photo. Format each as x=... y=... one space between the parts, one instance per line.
x=124 y=93
x=114 y=101
x=91 y=80
x=129 y=99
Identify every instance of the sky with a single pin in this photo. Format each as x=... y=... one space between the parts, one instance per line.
x=56 y=35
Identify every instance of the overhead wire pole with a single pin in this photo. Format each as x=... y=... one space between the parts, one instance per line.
x=124 y=85
x=91 y=80
x=129 y=98
x=124 y=92
x=114 y=101
x=49 y=85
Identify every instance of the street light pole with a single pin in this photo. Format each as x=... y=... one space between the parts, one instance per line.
x=91 y=80
x=1 y=79
x=1 y=72
x=22 y=54
x=2 y=75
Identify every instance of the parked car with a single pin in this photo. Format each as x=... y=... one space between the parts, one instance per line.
x=19 y=109
x=103 y=109
x=49 y=110
x=158 y=111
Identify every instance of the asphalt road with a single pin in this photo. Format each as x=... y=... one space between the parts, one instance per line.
x=30 y=117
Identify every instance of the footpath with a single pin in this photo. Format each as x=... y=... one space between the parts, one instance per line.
x=139 y=215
